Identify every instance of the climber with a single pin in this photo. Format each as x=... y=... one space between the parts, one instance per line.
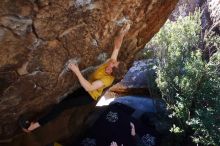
x=91 y=89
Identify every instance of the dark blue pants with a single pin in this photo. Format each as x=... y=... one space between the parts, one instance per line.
x=78 y=98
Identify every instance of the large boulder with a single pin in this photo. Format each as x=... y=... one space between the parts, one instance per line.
x=38 y=37
x=214 y=9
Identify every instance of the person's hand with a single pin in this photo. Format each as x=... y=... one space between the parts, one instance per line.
x=133 y=133
x=125 y=28
x=114 y=144
x=73 y=67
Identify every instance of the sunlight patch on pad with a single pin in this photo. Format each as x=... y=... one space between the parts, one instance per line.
x=104 y=101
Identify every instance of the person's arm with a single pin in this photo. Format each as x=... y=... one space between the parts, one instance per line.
x=118 y=41
x=85 y=84
x=137 y=139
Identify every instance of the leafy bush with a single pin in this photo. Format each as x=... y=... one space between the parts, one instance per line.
x=189 y=84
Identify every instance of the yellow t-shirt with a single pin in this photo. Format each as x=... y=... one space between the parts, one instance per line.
x=57 y=144
x=100 y=74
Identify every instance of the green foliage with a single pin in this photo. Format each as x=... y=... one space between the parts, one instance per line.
x=189 y=84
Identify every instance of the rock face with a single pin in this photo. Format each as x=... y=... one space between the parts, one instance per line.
x=38 y=37
x=210 y=12
x=184 y=8
x=214 y=9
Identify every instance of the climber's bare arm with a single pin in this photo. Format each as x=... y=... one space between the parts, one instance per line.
x=85 y=84
x=118 y=41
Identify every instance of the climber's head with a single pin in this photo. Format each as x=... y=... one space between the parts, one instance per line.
x=116 y=69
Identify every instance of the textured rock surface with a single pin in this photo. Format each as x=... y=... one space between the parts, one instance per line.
x=37 y=38
x=210 y=11
x=184 y=8
x=214 y=9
